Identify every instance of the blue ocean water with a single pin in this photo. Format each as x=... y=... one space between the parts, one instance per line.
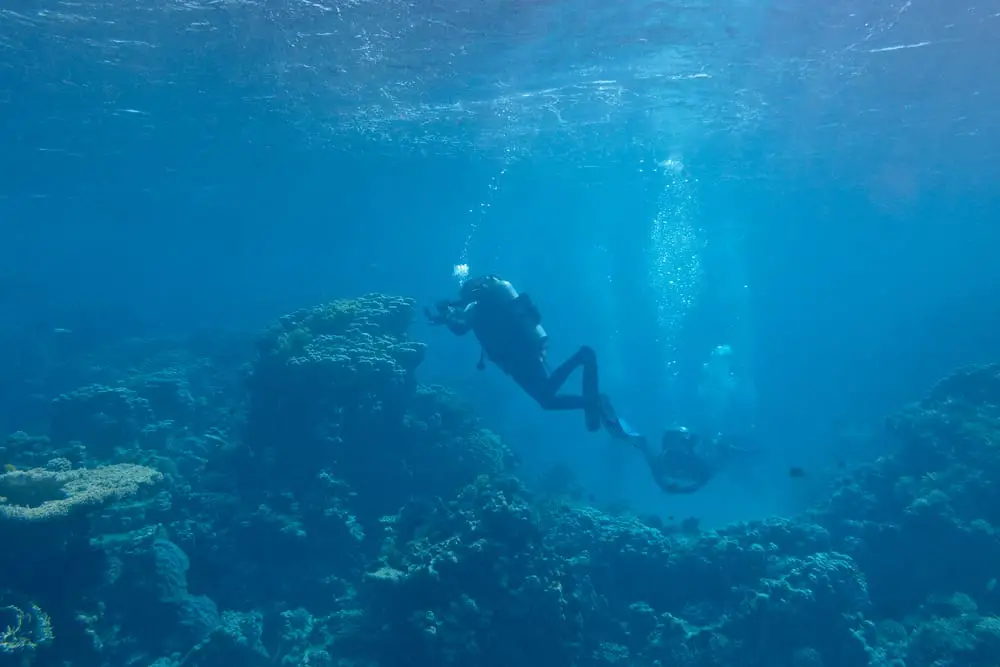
x=772 y=221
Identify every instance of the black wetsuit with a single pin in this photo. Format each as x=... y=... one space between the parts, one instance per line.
x=675 y=467
x=508 y=326
x=686 y=462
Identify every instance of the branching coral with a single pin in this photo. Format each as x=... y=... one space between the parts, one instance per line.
x=41 y=494
x=22 y=631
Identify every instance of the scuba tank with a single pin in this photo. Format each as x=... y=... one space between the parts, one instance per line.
x=499 y=296
x=513 y=318
x=531 y=320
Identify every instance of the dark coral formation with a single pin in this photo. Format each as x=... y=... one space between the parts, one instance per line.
x=337 y=512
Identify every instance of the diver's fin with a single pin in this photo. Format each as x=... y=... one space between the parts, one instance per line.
x=614 y=424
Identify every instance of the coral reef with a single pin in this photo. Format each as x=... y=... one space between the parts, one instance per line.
x=332 y=511
x=102 y=418
x=42 y=494
x=24 y=631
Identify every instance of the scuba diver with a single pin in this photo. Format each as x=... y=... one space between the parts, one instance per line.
x=687 y=462
x=508 y=327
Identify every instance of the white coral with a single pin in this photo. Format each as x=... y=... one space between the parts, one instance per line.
x=41 y=494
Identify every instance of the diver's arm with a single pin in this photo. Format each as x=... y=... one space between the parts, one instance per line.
x=459 y=322
x=663 y=478
x=737 y=445
x=678 y=488
x=458 y=325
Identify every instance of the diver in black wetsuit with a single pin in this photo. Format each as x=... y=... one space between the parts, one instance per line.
x=686 y=462
x=508 y=326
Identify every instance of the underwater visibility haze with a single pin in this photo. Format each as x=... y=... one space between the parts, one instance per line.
x=288 y=289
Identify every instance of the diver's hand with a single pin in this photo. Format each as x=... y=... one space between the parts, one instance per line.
x=436 y=319
x=661 y=476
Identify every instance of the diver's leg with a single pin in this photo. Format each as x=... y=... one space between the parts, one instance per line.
x=590 y=402
x=585 y=357
x=543 y=387
x=596 y=406
x=536 y=382
x=591 y=393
